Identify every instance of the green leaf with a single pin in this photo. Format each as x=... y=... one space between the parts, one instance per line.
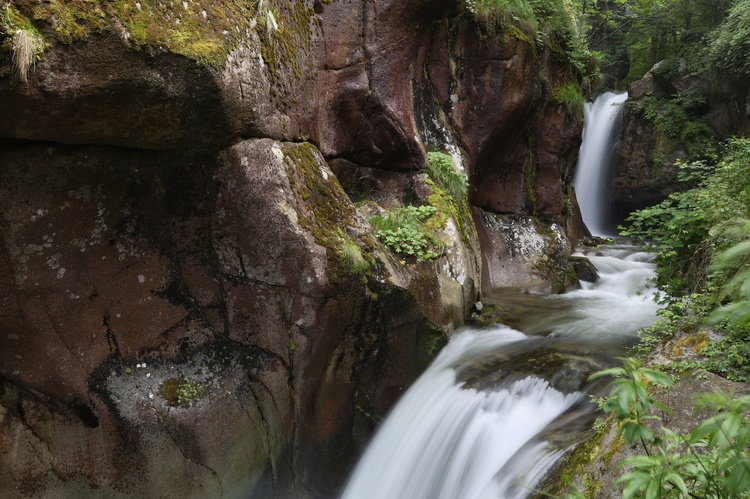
x=613 y=371
x=657 y=377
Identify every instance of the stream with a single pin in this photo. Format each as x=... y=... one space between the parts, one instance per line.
x=508 y=396
x=500 y=405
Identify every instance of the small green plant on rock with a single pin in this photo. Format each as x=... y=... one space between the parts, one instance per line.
x=630 y=401
x=403 y=230
x=351 y=256
x=570 y=96
x=440 y=169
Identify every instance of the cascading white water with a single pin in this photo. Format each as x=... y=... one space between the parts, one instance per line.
x=601 y=138
x=447 y=438
x=446 y=442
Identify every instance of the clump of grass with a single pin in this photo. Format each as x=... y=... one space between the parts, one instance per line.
x=25 y=46
x=440 y=169
x=22 y=39
x=351 y=256
x=505 y=13
x=570 y=96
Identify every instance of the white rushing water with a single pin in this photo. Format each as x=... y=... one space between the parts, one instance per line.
x=619 y=303
x=447 y=440
x=592 y=181
x=444 y=441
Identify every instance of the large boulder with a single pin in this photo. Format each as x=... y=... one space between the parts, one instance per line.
x=523 y=253
x=164 y=307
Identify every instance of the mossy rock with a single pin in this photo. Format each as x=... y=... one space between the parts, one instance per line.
x=584 y=269
x=205 y=31
x=326 y=212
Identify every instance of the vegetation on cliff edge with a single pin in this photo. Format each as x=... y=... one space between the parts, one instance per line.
x=203 y=30
x=702 y=239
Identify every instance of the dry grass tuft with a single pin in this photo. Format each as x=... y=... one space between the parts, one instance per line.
x=25 y=46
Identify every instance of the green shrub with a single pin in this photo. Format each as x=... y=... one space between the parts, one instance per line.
x=712 y=461
x=699 y=138
x=733 y=264
x=702 y=238
x=689 y=227
x=666 y=114
x=730 y=45
x=553 y=18
x=630 y=401
x=546 y=21
x=404 y=230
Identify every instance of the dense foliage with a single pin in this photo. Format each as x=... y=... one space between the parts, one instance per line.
x=730 y=45
x=712 y=461
x=702 y=238
x=703 y=254
x=692 y=226
x=634 y=35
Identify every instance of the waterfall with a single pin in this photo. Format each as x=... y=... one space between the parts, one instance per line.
x=446 y=442
x=592 y=181
x=482 y=422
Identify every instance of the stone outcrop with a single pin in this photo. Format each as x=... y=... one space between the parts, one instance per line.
x=521 y=253
x=182 y=309
x=711 y=108
x=646 y=173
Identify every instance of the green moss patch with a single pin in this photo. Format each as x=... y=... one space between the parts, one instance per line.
x=286 y=47
x=325 y=211
x=203 y=30
x=180 y=391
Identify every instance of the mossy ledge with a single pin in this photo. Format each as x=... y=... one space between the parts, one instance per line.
x=202 y=30
x=325 y=211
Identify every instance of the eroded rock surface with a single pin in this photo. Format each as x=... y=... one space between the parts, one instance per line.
x=179 y=314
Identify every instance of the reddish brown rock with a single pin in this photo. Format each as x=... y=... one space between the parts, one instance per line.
x=201 y=268
x=205 y=255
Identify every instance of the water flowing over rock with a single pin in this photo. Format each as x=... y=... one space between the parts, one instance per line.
x=593 y=178
x=178 y=311
x=499 y=406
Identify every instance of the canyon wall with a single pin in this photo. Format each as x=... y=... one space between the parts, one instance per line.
x=193 y=301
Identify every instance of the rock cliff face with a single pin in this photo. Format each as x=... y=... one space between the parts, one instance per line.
x=672 y=112
x=180 y=315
